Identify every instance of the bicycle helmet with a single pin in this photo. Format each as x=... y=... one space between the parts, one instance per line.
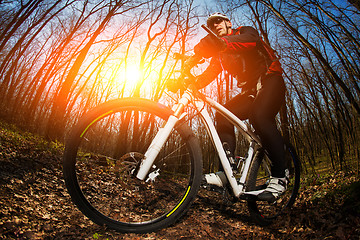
x=214 y=16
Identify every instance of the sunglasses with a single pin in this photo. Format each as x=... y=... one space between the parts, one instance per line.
x=217 y=21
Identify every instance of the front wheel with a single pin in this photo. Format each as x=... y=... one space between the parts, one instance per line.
x=259 y=174
x=103 y=154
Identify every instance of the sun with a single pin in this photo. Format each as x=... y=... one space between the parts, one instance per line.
x=119 y=77
x=131 y=75
x=123 y=77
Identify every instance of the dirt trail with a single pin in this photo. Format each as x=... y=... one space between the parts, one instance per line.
x=35 y=205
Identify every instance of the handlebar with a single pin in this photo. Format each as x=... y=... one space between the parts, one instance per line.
x=209 y=31
x=192 y=61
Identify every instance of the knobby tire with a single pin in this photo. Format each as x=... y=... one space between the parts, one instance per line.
x=103 y=153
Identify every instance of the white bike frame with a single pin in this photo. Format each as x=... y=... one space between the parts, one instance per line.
x=164 y=132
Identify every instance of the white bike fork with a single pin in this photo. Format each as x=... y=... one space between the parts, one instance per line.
x=161 y=137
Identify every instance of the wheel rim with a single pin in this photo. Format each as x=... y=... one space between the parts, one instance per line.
x=107 y=161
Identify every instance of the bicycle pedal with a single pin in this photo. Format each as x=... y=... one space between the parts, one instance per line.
x=248 y=197
x=252 y=195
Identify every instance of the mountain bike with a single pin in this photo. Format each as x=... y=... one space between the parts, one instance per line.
x=135 y=165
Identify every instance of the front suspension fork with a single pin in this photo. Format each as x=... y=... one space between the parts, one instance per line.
x=161 y=137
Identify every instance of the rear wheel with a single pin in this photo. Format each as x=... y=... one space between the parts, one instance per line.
x=259 y=174
x=103 y=154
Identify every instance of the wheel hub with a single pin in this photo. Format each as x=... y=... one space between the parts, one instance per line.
x=129 y=163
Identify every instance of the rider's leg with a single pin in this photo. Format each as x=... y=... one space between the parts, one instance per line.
x=265 y=107
x=240 y=106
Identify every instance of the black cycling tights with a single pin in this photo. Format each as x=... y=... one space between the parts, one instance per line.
x=261 y=112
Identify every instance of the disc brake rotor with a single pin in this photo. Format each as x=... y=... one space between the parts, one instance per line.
x=128 y=163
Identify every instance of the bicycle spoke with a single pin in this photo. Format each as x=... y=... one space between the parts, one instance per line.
x=108 y=156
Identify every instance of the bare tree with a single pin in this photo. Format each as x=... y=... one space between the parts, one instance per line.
x=319 y=45
x=355 y=3
x=56 y=120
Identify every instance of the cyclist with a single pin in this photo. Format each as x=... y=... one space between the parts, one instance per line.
x=242 y=53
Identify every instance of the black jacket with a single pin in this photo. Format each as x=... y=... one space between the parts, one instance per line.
x=243 y=58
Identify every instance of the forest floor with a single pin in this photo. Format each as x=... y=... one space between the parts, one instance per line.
x=35 y=204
